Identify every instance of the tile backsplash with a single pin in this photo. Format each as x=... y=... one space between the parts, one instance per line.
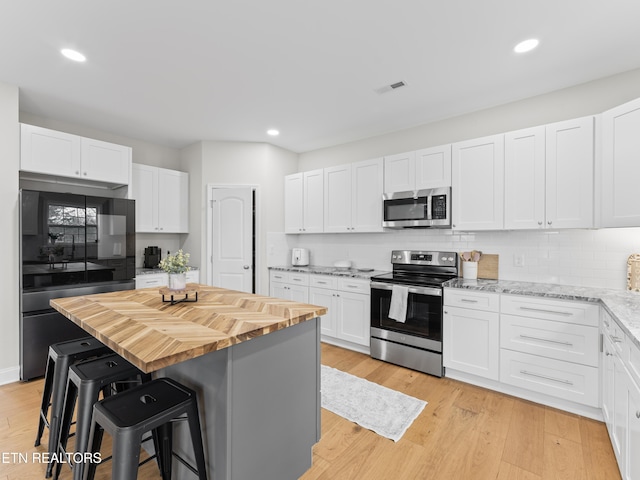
x=594 y=258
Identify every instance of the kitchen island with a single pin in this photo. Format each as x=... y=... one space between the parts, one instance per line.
x=254 y=361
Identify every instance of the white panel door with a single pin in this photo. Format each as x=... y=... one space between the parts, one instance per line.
x=105 y=162
x=293 y=203
x=524 y=185
x=621 y=166
x=400 y=172
x=232 y=238
x=433 y=167
x=478 y=184
x=569 y=174
x=366 y=195
x=49 y=152
x=337 y=199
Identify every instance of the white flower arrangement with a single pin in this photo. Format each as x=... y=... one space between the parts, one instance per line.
x=177 y=263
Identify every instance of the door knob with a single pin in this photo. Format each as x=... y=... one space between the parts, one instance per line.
x=246 y=267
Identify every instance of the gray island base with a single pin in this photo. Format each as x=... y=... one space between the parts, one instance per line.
x=259 y=404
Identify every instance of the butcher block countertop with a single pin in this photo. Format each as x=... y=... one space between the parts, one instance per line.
x=152 y=334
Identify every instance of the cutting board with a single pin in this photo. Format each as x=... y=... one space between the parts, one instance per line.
x=488 y=266
x=633 y=272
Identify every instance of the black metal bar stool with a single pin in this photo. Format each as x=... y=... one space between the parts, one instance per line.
x=61 y=356
x=86 y=380
x=128 y=415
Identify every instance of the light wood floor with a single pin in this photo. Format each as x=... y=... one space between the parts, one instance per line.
x=464 y=432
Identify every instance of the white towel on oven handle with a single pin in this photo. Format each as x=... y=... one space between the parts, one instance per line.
x=398 y=307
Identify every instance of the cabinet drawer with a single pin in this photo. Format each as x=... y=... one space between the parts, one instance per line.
x=547 y=309
x=354 y=285
x=570 y=381
x=299 y=278
x=559 y=340
x=324 y=281
x=489 y=302
x=611 y=329
x=278 y=276
x=193 y=276
x=152 y=280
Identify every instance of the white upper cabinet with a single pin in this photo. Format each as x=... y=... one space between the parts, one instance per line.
x=303 y=202
x=433 y=167
x=426 y=168
x=366 y=194
x=399 y=172
x=549 y=176
x=353 y=197
x=620 y=168
x=162 y=199
x=569 y=175
x=524 y=171
x=478 y=184
x=50 y=152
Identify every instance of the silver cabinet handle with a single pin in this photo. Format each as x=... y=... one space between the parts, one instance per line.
x=549 y=222
x=555 y=312
x=569 y=344
x=559 y=380
x=608 y=354
x=322 y=283
x=638 y=414
x=351 y=286
x=246 y=267
x=539 y=223
x=466 y=300
x=616 y=339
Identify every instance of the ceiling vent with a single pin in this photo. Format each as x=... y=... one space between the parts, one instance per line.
x=389 y=88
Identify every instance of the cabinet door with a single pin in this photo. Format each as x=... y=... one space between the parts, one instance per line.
x=433 y=167
x=152 y=280
x=49 y=152
x=325 y=298
x=366 y=195
x=471 y=341
x=313 y=190
x=633 y=432
x=299 y=293
x=337 y=199
x=354 y=317
x=399 y=172
x=569 y=175
x=279 y=290
x=105 y=162
x=620 y=411
x=620 y=166
x=293 y=203
x=524 y=172
x=478 y=184
x=145 y=193
x=173 y=201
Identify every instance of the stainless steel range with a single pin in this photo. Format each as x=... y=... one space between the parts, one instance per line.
x=406 y=309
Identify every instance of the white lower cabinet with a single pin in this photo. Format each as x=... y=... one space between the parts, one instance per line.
x=161 y=279
x=289 y=286
x=471 y=335
x=621 y=396
x=349 y=307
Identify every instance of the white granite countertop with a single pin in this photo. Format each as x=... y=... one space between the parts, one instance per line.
x=622 y=305
x=363 y=273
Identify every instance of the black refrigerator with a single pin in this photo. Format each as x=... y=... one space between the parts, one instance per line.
x=70 y=245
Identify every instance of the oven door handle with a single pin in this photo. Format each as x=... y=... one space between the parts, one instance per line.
x=432 y=291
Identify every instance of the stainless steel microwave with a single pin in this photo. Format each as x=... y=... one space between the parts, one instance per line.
x=416 y=209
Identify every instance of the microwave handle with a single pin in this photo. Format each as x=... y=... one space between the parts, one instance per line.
x=429 y=207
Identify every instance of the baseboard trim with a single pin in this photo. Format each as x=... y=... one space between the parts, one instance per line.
x=9 y=375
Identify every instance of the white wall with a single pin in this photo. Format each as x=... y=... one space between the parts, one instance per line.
x=571 y=257
x=238 y=163
x=9 y=242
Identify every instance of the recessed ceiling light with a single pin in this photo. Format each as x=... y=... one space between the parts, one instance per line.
x=526 y=45
x=73 y=55
x=273 y=132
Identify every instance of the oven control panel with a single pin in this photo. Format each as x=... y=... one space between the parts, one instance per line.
x=415 y=257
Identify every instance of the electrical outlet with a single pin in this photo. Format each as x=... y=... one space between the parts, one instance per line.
x=518 y=260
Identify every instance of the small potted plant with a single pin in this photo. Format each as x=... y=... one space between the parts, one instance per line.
x=176 y=266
